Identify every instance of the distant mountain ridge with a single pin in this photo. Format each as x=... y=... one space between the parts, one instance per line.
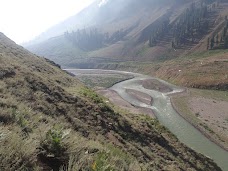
x=93 y=15
x=133 y=30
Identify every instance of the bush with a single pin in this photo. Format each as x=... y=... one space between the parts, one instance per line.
x=102 y=163
x=92 y=95
x=53 y=150
x=53 y=143
x=20 y=119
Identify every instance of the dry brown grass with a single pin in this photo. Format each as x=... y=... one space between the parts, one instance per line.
x=36 y=97
x=17 y=153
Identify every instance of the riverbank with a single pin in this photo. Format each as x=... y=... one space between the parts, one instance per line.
x=208 y=115
x=115 y=99
x=153 y=84
x=166 y=114
x=201 y=112
x=198 y=111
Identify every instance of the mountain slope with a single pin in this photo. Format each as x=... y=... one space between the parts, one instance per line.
x=186 y=56
x=130 y=17
x=116 y=13
x=49 y=119
x=137 y=31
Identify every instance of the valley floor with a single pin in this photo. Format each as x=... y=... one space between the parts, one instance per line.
x=124 y=105
x=207 y=110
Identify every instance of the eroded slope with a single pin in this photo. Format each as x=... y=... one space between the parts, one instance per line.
x=49 y=119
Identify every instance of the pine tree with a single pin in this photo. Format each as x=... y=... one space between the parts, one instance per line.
x=217 y=40
x=224 y=32
x=221 y=38
x=226 y=42
x=212 y=42
x=173 y=45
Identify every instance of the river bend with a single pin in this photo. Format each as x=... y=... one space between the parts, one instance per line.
x=167 y=116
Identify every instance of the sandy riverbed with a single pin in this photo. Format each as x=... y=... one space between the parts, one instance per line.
x=118 y=101
x=154 y=84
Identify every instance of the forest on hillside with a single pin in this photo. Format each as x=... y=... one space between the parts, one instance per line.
x=190 y=27
x=92 y=38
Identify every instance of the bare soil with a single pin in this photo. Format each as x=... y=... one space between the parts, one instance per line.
x=118 y=101
x=212 y=112
x=153 y=84
x=209 y=115
x=143 y=97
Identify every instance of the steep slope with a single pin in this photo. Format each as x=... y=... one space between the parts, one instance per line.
x=49 y=119
x=137 y=31
x=128 y=19
x=101 y=14
x=181 y=64
x=51 y=48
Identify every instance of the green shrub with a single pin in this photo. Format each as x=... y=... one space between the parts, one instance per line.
x=92 y=95
x=20 y=118
x=102 y=163
x=53 y=143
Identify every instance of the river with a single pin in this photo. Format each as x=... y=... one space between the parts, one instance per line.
x=166 y=115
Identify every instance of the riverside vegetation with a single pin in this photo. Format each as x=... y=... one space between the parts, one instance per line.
x=51 y=121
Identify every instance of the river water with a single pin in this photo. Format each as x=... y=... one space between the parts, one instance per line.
x=168 y=117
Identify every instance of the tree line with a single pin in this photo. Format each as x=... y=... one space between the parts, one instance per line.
x=158 y=31
x=220 y=39
x=92 y=39
x=192 y=24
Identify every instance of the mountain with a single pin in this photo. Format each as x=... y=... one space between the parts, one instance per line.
x=147 y=36
x=100 y=13
x=49 y=120
x=125 y=21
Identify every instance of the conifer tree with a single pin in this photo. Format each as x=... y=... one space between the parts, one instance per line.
x=221 y=38
x=208 y=42
x=226 y=42
x=212 y=42
x=217 y=40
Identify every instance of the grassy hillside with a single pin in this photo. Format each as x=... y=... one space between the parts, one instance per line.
x=65 y=55
x=206 y=70
x=49 y=120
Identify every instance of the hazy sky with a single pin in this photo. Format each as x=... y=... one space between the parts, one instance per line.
x=22 y=20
